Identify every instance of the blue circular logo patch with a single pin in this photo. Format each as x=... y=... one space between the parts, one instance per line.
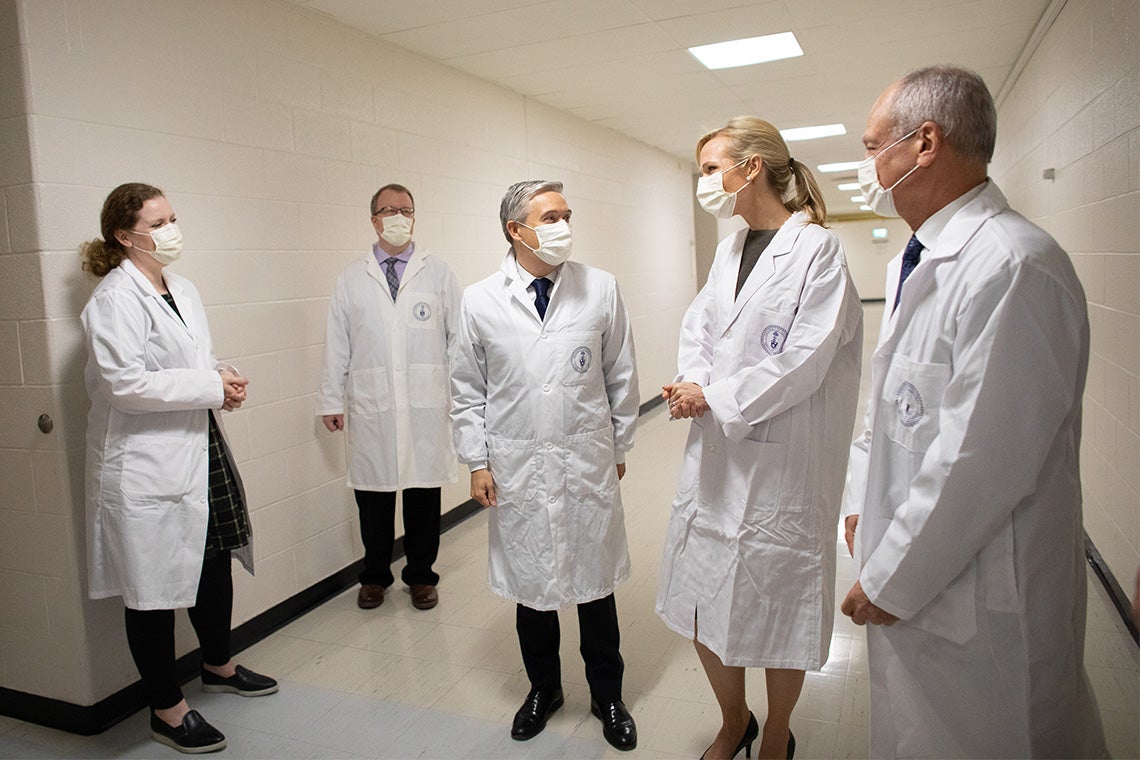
x=421 y=311
x=580 y=359
x=909 y=402
x=772 y=338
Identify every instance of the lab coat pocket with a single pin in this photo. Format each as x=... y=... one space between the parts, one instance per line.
x=755 y=471
x=368 y=391
x=514 y=466
x=590 y=463
x=423 y=311
x=579 y=357
x=427 y=386
x=767 y=332
x=156 y=469
x=912 y=399
x=953 y=613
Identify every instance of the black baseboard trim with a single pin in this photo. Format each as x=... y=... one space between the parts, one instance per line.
x=1112 y=587
x=93 y=719
x=649 y=405
x=872 y=300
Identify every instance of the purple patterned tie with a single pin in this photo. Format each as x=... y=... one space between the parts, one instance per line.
x=393 y=278
x=541 y=295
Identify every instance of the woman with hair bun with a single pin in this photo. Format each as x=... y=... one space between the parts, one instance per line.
x=165 y=504
x=768 y=372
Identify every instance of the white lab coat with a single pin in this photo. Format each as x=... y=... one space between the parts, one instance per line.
x=750 y=550
x=386 y=370
x=550 y=406
x=152 y=380
x=969 y=490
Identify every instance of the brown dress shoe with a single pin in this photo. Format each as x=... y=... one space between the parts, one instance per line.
x=371 y=595
x=424 y=597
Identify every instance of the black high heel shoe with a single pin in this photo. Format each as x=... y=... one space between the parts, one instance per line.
x=791 y=745
x=750 y=734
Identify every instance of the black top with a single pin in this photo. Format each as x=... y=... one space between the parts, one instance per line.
x=754 y=244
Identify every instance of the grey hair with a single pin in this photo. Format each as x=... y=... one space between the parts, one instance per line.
x=955 y=99
x=516 y=203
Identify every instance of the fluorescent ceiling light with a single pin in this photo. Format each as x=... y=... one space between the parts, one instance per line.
x=858 y=199
x=845 y=166
x=864 y=207
x=845 y=186
x=879 y=233
x=726 y=55
x=813 y=133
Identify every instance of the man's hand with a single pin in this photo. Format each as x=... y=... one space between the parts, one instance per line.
x=333 y=422
x=861 y=610
x=686 y=400
x=621 y=471
x=849 y=524
x=483 y=488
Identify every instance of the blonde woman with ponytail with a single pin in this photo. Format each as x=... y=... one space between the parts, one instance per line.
x=768 y=372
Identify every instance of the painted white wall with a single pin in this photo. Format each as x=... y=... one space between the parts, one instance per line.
x=866 y=258
x=269 y=127
x=1076 y=109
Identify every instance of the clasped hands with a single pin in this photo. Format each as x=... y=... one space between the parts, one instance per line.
x=686 y=400
x=233 y=388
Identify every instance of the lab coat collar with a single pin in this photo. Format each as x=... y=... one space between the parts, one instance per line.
x=414 y=266
x=518 y=280
x=185 y=315
x=947 y=237
x=781 y=245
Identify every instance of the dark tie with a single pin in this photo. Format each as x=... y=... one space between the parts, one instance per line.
x=393 y=278
x=909 y=261
x=541 y=295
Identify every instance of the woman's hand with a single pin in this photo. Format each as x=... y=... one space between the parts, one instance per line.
x=233 y=388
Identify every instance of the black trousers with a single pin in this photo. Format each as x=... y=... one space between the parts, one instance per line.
x=150 y=633
x=378 y=532
x=539 y=638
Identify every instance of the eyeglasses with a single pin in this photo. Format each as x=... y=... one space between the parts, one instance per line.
x=392 y=211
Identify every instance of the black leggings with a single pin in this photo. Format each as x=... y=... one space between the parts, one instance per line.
x=150 y=633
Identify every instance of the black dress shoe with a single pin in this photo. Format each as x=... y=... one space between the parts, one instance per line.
x=195 y=736
x=244 y=682
x=617 y=725
x=531 y=718
x=791 y=745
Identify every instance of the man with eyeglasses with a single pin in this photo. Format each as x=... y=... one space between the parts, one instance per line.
x=391 y=331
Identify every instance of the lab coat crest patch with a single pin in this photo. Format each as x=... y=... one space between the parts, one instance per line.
x=909 y=403
x=421 y=311
x=580 y=359
x=772 y=338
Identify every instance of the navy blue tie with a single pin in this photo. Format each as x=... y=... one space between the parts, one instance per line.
x=542 y=295
x=910 y=259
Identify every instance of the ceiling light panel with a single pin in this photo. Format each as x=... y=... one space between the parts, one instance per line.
x=813 y=133
x=749 y=51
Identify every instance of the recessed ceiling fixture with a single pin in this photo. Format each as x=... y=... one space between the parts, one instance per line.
x=726 y=55
x=846 y=166
x=845 y=186
x=864 y=207
x=813 y=133
x=858 y=199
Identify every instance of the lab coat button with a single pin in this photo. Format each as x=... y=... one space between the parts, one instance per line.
x=549 y=446
x=543 y=336
x=552 y=499
x=546 y=389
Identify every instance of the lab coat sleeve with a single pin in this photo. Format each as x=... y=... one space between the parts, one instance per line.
x=334 y=376
x=116 y=328
x=1019 y=346
x=450 y=296
x=761 y=391
x=695 y=344
x=469 y=392
x=619 y=368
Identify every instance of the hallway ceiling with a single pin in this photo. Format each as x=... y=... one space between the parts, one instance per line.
x=623 y=64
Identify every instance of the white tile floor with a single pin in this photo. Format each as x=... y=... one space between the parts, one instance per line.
x=400 y=683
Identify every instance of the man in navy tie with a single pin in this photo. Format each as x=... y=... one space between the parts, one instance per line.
x=545 y=404
x=965 y=487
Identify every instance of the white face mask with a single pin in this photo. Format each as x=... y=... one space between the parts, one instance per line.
x=714 y=198
x=553 y=242
x=880 y=199
x=397 y=230
x=167 y=243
